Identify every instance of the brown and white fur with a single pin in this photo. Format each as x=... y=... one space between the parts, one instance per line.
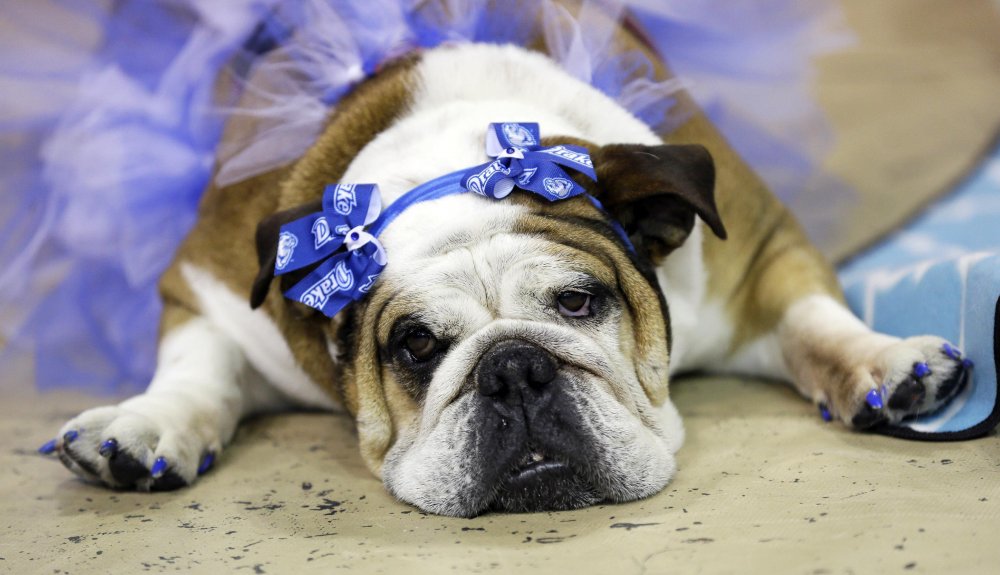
x=483 y=278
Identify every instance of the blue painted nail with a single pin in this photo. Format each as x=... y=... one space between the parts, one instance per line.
x=70 y=436
x=48 y=448
x=968 y=364
x=951 y=351
x=159 y=466
x=108 y=448
x=920 y=370
x=874 y=399
x=824 y=412
x=206 y=462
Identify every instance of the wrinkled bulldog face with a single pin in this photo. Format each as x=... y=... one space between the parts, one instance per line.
x=514 y=354
x=522 y=361
x=526 y=398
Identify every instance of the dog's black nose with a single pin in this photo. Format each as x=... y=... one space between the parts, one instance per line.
x=511 y=367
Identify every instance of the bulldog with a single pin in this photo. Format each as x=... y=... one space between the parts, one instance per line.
x=514 y=354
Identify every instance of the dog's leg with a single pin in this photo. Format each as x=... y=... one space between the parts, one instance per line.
x=863 y=377
x=852 y=373
x=165 y=437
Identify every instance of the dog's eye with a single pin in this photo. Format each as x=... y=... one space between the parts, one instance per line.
x=421 y=344
x=574 y=303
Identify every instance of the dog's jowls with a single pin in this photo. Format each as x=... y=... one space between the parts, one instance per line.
x=515 y=354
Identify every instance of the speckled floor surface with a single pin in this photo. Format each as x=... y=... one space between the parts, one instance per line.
x=764 y=486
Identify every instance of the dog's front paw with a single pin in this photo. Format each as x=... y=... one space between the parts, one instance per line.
x=910 y=377
x=127 y=449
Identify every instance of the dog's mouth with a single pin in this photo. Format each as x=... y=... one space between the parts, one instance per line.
x=534 y=466
x=539 y=481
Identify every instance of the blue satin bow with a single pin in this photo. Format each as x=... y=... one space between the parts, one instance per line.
x=523 y=163
x=345 y=276
x=341 y=277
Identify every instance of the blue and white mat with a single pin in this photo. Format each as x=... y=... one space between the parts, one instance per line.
x=941 y=275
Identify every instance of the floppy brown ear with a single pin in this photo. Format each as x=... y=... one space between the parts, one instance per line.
x=267 y=249
x=655 y=192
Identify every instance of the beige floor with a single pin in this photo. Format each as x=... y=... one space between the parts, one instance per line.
x=764 y=486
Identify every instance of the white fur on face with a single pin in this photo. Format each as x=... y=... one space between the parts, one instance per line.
x=490 y=286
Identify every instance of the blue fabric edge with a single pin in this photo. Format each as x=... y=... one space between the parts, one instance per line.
x=979 y=430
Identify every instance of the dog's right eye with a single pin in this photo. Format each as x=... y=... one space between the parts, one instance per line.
x=421 y=344
x=574 y=303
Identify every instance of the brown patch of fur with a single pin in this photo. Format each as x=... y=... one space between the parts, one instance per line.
x=174 y=316
x=404 y=411
x=767 y=262
x=365 y=393
x=222 y=241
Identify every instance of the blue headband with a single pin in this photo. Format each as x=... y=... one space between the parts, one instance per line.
x=352 y=215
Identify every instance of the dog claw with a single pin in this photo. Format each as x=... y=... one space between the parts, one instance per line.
x=70 y=436
x=49 y=447
x=921 y=370
x=968 y=363
x=159 y=467
x=824 y=412
x=874 y=399
x=206 y=463
x=108 y=448
x=951 y=352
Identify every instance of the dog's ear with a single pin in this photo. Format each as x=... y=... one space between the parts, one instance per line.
x=267 y=248
x=655 y=192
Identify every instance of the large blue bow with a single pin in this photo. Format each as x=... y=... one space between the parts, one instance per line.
x=345 y=276
x=341 y=277
x=522 y=162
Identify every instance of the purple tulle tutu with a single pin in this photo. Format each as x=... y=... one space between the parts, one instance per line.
x=110 y=131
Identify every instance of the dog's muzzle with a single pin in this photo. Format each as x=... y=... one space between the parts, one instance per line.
x=535 y=438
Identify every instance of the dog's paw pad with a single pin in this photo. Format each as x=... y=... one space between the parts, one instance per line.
x=909 y=394
x=868 y=417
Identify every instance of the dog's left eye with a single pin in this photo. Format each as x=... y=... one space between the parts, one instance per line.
x=574 y=303
x=421 y=344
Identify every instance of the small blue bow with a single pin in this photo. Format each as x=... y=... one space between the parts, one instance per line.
x=341 y=277
x=522 y=162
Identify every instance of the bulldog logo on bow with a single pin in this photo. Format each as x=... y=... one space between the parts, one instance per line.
x=286 y=247
x=518 y=135
x=522 y=163
x=330 y=285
